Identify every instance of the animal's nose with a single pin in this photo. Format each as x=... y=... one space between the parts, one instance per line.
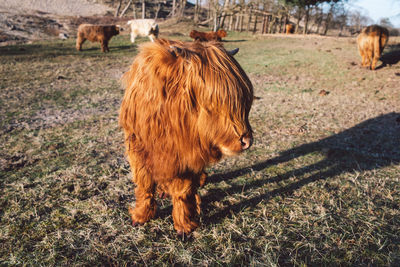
x=246 y=140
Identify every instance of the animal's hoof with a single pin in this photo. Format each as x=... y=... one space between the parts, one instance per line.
x=135 y=224
x=183 y=236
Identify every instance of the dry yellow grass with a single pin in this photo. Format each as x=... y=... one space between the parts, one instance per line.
x=320 y=186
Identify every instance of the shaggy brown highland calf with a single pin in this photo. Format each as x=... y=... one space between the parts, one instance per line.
x=371 y=42
x=208 y=36
x=96 y=33
x=289 y=28
x=186 y=105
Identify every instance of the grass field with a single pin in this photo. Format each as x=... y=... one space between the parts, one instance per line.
x=320 y=185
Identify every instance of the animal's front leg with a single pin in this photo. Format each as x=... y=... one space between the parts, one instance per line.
x=104 y=46
x=145 y=208
x=133 y=36
x=186 y=204
x=79 y=42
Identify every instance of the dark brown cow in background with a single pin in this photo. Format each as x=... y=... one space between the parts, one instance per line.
x=186 y=105
x=289 y=28
x=96 y=33
x=208 y=36
x=371 y=42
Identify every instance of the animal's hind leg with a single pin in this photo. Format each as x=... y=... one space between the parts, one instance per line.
x=203 y=178
x=376 y=56
x=374 y=61
x=363 y=57
x=369 y=56
x=162 y=189
x=186 y=203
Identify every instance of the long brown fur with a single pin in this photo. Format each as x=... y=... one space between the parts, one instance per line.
x=371 y=42
x=96 y=33
x=289 y=28
x=185 y=106
x=208 y=36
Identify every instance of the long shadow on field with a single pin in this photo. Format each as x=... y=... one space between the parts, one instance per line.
x=391 y=57
x=234 y=41
x=46 y=51
x=370 y=145
x=37 y=49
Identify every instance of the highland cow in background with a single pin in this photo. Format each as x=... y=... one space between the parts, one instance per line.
x=371 y=42
x=289 y=28
x=96 y=33
x=208 y=36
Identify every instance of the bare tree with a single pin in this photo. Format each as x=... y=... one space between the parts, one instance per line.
x=357 y=21
x=385 y=22
x=143 y=9
x=158 y=8
x=126 y=8
x=224 y=13
x=182 y=6
x=173 y=8
x=197 y=8
x=118 y=8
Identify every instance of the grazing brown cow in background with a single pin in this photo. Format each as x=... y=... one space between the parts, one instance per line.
x=208 y=36
x=185 y=106
x=371 y=42
x=96 y=33
x=289 y=28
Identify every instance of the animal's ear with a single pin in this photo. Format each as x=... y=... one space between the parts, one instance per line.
x=233 y=52
x=176 y=51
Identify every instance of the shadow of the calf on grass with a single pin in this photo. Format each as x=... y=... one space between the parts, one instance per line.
x=370 y=145
x=391 y=57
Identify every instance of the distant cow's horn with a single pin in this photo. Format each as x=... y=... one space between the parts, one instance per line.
x=233 y=52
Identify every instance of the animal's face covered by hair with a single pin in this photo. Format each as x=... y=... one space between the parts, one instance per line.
x=371 y=42
x=185 y=105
